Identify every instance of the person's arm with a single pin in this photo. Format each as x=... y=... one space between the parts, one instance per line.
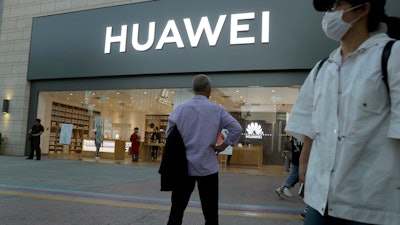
x=138 y=139
x=234 y=128
x=38 y=134
x=221 y=147
x=304 y=156
x=30 y=130
x=41 y=129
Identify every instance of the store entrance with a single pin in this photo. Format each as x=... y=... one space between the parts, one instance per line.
x=262 y=112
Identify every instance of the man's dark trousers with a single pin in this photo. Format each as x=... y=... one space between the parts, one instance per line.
x=35 y=146
x=208 y=191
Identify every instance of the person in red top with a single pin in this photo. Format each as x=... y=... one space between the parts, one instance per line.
x=135 y=139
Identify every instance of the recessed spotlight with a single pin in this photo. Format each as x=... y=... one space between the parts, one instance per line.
x=273 y=91
x=145 y=92
x=71 y=94
x=241 y=96
x=237 y=91
x=93 y=93
x=117 y=93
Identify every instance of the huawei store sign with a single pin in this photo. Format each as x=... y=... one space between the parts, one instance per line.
x=172 y=35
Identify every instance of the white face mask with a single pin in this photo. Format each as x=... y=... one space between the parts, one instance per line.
x=334 y=26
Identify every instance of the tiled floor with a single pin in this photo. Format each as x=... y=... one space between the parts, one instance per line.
x=83 y=192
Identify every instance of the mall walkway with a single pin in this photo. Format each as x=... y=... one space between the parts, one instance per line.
x=71 y=192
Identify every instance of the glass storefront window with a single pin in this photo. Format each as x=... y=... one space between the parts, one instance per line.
x=262 y=112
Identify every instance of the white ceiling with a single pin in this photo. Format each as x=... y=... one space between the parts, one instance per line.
x=160 y=101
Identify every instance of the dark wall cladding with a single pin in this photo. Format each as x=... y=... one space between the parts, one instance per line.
x=1 y=13
x=239 y=38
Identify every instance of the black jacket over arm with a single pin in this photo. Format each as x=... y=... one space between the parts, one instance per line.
x=173 y=168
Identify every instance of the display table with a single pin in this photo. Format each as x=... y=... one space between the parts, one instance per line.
x=111 y=149
x=246 y=155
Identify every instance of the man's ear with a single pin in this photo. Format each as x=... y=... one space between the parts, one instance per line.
x=209 y=90
x=365 y=9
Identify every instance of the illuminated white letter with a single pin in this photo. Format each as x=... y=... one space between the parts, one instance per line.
x=175 y=38
x=265 y=27
x=150 y=38
x=204 y=26
x=236 y=28
x=112 y=39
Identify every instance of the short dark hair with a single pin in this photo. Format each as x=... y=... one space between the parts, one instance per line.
x=38 y=120
x=136 y=128
x=201 y=83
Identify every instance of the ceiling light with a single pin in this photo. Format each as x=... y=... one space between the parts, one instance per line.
x=68 y=99
x=145 y=92
x=93 y=93
x=273 y=91
x=117 y=93
x=237 y=91
x=71 y=94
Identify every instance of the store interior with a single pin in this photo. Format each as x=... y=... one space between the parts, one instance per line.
x=262 y=111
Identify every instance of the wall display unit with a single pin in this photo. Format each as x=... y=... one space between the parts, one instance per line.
x=82 y=124
x=152 y=121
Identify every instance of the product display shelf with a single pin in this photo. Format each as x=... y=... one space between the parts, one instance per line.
x=66 y=114
x=160 y=121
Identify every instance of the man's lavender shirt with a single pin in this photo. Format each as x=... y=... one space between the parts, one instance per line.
x=200 y=121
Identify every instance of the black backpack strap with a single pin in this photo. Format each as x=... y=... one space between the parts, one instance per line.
x=385 y=57
x=320 y=64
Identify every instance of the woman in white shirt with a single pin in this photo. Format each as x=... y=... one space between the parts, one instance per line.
x=350 y=121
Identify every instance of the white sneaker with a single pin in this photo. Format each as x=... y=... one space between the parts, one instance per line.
x=279 y=193
x=287 y=192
